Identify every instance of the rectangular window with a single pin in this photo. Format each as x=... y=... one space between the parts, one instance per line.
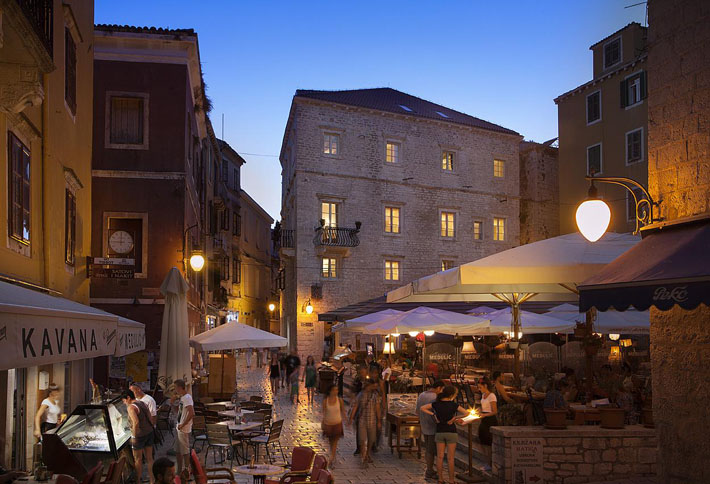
x=498 y=228
x=329 y=267
x=235 y=180
x=225 y=171
x=224 y=219
x=477 y=230
x=594 y=159
x=329 y=213
x=69 y=70
x=392 y=152
x=448 y=224
x=634 y=146
x=331 y=144
x=446 y=265
x=612 y=53
x=236 y=270
x=237 y=224
x=447 y=161
x=69 y=227
x=18 y=190
x=392 y=220
x=391 y=270
x=127 y=115
x=633 y=89
x=594 y=107
x=498 y=168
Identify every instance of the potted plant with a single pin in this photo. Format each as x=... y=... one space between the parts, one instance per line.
x=512 y=344
x=556 y=418
x=611 y=417
x=591 y=344
x=524 y=346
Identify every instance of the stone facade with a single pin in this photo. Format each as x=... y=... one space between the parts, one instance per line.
x=539 y=195
x=359 y=181
x=679 y=176
x=580 y=454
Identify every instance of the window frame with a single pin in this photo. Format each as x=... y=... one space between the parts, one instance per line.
x=236 y=224
x=70 y=66
x=236 y=270
x=496 y=230
x=638 y=77
x=444 y=263
x=25 y=176
x=626 y=147
x=69 y=227
x=441 y=225
x=398 y=152
x=601 y=159
x=621 y=52
x=107 y=120
x=445 y=162
x=389 y=271
x=337 y=212
x=338 y=146
x=333 y=270
x=391 y=225
x=496 y=162
x=480 y=231
x=595 y=121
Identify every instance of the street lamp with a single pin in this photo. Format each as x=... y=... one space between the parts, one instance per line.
x=272 y=306
x=614 y=336
x=197 y=261
x=308 y=307
x=593 y=215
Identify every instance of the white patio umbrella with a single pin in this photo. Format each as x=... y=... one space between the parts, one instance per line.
x=547 y=270
x=619 y=322
x=174 y=349
x=530 y=323
x=235 y=335
x=360 y=322
x=428 y=319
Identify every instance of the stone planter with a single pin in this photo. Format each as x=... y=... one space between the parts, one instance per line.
x=512 y=345
x=611 y=417
x=647 y=414
x=556 y=418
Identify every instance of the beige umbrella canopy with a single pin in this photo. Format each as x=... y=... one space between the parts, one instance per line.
x=174 y=341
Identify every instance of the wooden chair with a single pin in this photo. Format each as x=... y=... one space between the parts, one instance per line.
x=269 y=439
x=199 y=431
x=212 y=474
x=114 y=475
x=219 y=439
x=94 y=474
x=212 y=417
x=163 y=421
x=319 y=465
x=301 y=462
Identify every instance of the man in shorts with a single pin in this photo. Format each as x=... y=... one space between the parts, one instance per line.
x=148 y=400
x=428 y=426
x=186 y=413
x=141 y=434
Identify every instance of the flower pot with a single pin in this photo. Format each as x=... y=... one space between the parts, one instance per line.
x=647 y=414
x=524 y=346
x=512 y=345
x=556 y=418
x=611 y=417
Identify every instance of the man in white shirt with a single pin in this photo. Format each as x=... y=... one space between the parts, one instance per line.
x=148 y=400
x=186 y=413
x=428 y=426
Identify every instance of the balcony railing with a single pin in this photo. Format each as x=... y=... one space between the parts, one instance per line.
x=40 y=14
x=337 y=236
x=287 y=239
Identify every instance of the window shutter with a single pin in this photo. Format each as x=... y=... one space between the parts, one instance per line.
x=644 y=85
x=624 y=94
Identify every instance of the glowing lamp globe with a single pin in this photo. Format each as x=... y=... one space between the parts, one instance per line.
x=413 y=334
x=593 y=217
x=614 y=336
x=272 y=306
x=197 y=262
x=395 y=335
x=309 y=308
x=468 y=347
x=388 y=349
x=429 y=332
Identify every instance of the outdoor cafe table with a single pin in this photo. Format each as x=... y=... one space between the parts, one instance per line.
x=220 y=404
x=260 y=471
x=232 y=413
x=241 y=427
x=403 y=426
x=522 y=397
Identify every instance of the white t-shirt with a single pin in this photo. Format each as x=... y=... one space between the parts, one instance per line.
x=386 y=374
x=486 y=402
x=52 y=414
x=185 y=401
x=150 y=403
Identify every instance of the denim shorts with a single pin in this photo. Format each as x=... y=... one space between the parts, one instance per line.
x=140 y=443
x=446 y=437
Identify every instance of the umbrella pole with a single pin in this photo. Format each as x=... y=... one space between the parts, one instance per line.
x=516 y=330
x=589 y=358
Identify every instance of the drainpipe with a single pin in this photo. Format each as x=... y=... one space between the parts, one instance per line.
x=45 y=234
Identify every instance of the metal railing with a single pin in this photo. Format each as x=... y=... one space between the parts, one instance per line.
x=337 y=236
x=287 y=239
x=40 y=14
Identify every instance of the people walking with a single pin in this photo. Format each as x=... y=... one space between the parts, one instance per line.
x=358 y=386
x=48 y=414
x=310 y=377
x=446 y=413
x=293 y=364
x=142 y=437
x=282 y=363
x=274 y=373
x=369 y=406
x=248 y=354
x=333 y=417
x=259 y=358
x=428 y=426
x=186 y=413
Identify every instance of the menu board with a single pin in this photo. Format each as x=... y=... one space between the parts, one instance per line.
x=402 y=404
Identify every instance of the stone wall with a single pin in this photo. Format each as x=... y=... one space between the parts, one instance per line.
x=679 y=176
x=580 y=454
x=539 y=193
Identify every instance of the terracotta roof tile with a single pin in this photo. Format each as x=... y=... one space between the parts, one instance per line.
x=143 y=30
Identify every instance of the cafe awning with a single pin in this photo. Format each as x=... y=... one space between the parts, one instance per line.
x=670 y=266
x=39 y=329
x=131 y=337
x=235 y=335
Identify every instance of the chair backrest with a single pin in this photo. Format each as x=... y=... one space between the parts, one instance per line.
x=254 y=417
x=115 y=475
x=197 y=471
x=319 y=463
x=301 y=458
x=256 y=398
x=199 y=424
x=324 y=477
x=94 y=475
x=218 y=434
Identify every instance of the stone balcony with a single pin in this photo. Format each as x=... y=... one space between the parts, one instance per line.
x=336 y=240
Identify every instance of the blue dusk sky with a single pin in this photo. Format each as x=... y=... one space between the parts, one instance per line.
x=504 y=62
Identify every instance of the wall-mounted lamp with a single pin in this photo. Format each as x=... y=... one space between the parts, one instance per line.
x=593 y=215
x=193 y=256
x=614 y=336
x=468 y=347
x=429 y=332
x=197 y=260
x=308 y=307
x=413 y=334
x=272 y=306
x=395 y=335
x=388 y=348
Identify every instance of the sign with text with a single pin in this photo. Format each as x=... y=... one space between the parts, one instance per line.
x=441 y=354
x=526 y=460
x=111 y=273
x=113 y=261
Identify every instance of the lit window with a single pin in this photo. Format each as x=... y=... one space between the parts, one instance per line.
x=446 y=265
x=331 y=143
x=498 y=228
x=612 y=53
x=477 y=230
x=69 y=226
x=498 y=168
x=392 y=152
x=329 y=213
x=391 y=270
x=594 y=107
x=19 y=190
x=634 y=146
x=448 y=220
x=594 y=159
x=447 y=161
x=392 y=220
x=329 y=267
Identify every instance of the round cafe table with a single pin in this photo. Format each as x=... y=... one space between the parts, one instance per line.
x=259 y=471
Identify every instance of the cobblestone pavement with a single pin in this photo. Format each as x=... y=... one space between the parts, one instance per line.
x=302 y=427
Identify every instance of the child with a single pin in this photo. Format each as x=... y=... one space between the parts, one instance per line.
x=294 y=386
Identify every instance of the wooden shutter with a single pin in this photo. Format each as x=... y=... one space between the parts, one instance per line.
x=624 y=93
x=644 y=85
x=70 y=70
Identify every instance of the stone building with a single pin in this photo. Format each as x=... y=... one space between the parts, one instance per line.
x=603 y=128
x=539 y=194
x=679 y=176
x=379 y=188
x=46 y=83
